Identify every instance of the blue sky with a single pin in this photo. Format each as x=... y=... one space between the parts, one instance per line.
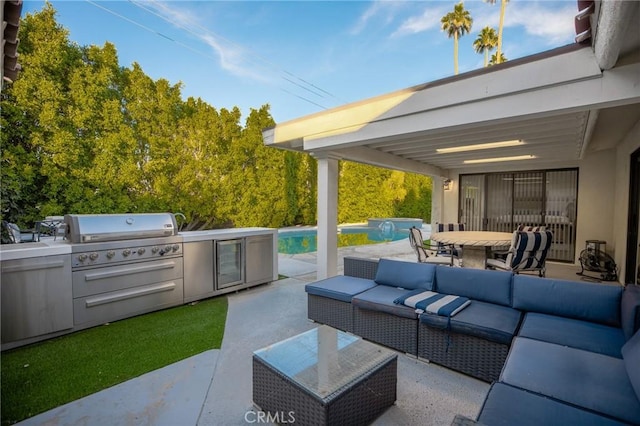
x=302 y=57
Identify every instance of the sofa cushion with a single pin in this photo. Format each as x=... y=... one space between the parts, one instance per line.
x=630 y=310
x=586 y=335
x=340 y=287
x=572 y=299
x=408 y=275
x=586 y=379
x=433 y=303
x=380 y=298
x=507 y=406
x=476 y=284
x=631 y=356
x=485 y=320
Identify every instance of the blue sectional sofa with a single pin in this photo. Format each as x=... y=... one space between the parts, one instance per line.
x=476 y=341
x=555 y=351
x=576 y=358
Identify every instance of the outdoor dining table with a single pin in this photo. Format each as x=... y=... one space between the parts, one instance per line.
x=475 y=244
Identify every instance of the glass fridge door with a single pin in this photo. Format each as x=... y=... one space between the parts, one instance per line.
x=229 y=263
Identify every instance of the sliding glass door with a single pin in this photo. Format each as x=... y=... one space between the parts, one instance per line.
x=472 y=202
x=503 y=201
x=560 y=212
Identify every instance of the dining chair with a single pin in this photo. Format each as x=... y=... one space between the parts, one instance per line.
x=501 y=253
x=528 y=253
x=529 y=228
x=12 y=234
x=450 y=227
x=440 y=254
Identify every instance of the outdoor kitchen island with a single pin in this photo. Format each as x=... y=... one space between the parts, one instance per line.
x=57 y=286
x=220 y=261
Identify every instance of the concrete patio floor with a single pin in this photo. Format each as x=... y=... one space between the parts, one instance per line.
x=214 y=388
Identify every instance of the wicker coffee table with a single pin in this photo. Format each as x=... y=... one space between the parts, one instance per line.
x=322 y=377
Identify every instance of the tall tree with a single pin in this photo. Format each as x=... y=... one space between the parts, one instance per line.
x=456 y=24
x=83 y=135
x=41 y=97
x=495 y=59
x=503 y=7
x=487 y=40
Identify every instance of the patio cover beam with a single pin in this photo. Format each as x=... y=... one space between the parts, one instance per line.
x=619 y=86
x=361 y=154
x=569 y=63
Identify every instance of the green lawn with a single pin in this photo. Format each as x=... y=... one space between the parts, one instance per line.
x=45 y=375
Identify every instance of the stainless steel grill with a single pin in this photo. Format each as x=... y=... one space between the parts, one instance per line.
x=90 y=228
x=123 y=265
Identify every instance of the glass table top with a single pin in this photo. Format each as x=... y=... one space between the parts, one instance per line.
x=323 y=360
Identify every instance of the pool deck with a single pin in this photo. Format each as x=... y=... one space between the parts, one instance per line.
x=215 y=387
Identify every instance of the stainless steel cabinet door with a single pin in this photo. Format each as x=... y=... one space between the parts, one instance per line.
x=198 y=270
x=259 y=259
x=36 y=297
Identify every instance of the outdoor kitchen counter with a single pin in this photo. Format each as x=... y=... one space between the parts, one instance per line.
x=225 y=234
x=46 y=247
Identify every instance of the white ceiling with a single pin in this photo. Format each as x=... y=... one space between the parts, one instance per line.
x=548 y=138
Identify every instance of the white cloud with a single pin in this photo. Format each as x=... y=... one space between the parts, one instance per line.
x=554 y=25
x=233 y=57
x=540 y=19
x=387 y=10
x=429 y=19
x=365 y=17
x=486 y=15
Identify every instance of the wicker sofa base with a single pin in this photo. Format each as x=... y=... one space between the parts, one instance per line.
x=471 y=355
x=386 y=329
x=335 y=313
x=360 y=267
x=356 y=404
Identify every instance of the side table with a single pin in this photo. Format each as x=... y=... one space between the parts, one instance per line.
x=324 y=377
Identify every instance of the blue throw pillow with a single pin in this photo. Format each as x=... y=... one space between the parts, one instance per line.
x=408 y=275
x=630 y=310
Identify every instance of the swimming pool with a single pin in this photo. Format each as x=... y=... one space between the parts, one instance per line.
x=306 y=240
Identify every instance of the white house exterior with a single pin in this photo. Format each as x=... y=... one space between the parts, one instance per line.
x=575 y=107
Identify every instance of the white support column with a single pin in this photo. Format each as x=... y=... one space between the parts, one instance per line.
x=437 y=200
x=327 y=255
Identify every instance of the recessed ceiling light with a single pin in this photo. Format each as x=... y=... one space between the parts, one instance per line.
x=480 y=146
x=497 y=159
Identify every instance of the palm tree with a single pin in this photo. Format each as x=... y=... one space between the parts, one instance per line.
x=487 y=40
x=494 y=59
x=456 y=24
x=503 y=6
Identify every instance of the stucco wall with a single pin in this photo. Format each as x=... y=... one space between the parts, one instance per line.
x=450 y=201
x=621 y=203
x=596 y=198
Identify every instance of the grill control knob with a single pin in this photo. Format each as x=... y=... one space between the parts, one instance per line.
x=110 y=254
x=175 y=247
x=154 y=249
x=82 y=257
x=141 y=251
x=167 y=249
x=93 y=256
x=126 y=252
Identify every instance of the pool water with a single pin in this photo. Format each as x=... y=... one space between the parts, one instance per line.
x=305 y=241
